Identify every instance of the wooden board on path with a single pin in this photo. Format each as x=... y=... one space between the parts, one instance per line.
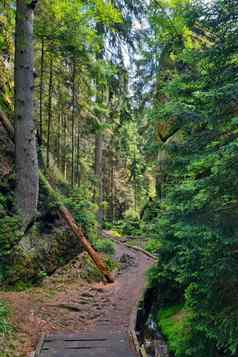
x=86 y=345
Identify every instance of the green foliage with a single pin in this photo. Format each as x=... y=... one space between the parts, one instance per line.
x=105 y=246
x=108 y=225
x=3 y=204
x=152 y=246
x=5 y=327
x=130 y=226
x=10 y=235
x=20 y=286
x=7 y=198
x=69 y=22
x=90 y=272
x=195 y=223
x=175 y=324
x=84 y=211
x=7 y=21
x=115 y=233
x=111 y=264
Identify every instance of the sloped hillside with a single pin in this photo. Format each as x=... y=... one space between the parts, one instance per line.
x=45 y=246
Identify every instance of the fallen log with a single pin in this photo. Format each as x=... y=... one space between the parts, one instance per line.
x=65 y=213
x=77 y=230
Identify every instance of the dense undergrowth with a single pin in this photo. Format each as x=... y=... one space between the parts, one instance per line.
x=5 y=326
x=7 y=343
x=174 y=323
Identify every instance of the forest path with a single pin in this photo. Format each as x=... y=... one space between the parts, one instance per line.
x=107 y=312
x=103 y=312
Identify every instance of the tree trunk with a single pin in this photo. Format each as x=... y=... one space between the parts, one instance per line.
x=27 y=177
x=98 y=173
x=49 y=112
x=73 y=122
x=111 y=203
x=42 y=63
x=158 y=186
x=69 y=219
x=78 y=169
x=57 y=139
x=59 y=129
x=63 y=156
x=65 y=213
x=99 y=142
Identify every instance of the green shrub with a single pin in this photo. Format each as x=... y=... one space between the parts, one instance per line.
x=105 y=246
x=152 y=246
x=174 y=323
x=84 y=211
x=5 y=326
x=10 y=235
x=111 y=264
x=90 y=271
x=130 y=226
x=3 y=202
x=116 y=234
x=108 y=225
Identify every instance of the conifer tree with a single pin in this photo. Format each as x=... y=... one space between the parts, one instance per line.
x=27 y=178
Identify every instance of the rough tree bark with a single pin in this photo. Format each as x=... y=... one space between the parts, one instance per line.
x=111 y=197
x=49 y=112
x=65 y=213
x=59 y=128
x=99 y=143
x=73 y=120
x=42 y=64
x=27 y=174
x=78 y=169
x=63 y=157
x=58 y=139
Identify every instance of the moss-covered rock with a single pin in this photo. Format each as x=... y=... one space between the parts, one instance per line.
x=38 y=255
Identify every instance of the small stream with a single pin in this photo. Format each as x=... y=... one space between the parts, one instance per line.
x=147 y=332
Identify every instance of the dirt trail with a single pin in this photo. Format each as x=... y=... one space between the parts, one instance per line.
x=78 y=306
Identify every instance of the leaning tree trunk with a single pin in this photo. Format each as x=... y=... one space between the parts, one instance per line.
x=69 y=219
x=65 y=213
x=27 y=174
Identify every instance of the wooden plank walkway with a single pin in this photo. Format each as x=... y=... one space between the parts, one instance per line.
x=113 y=307
x=86 y=345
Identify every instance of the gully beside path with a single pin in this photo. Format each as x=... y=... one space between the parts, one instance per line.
x=110 y=313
